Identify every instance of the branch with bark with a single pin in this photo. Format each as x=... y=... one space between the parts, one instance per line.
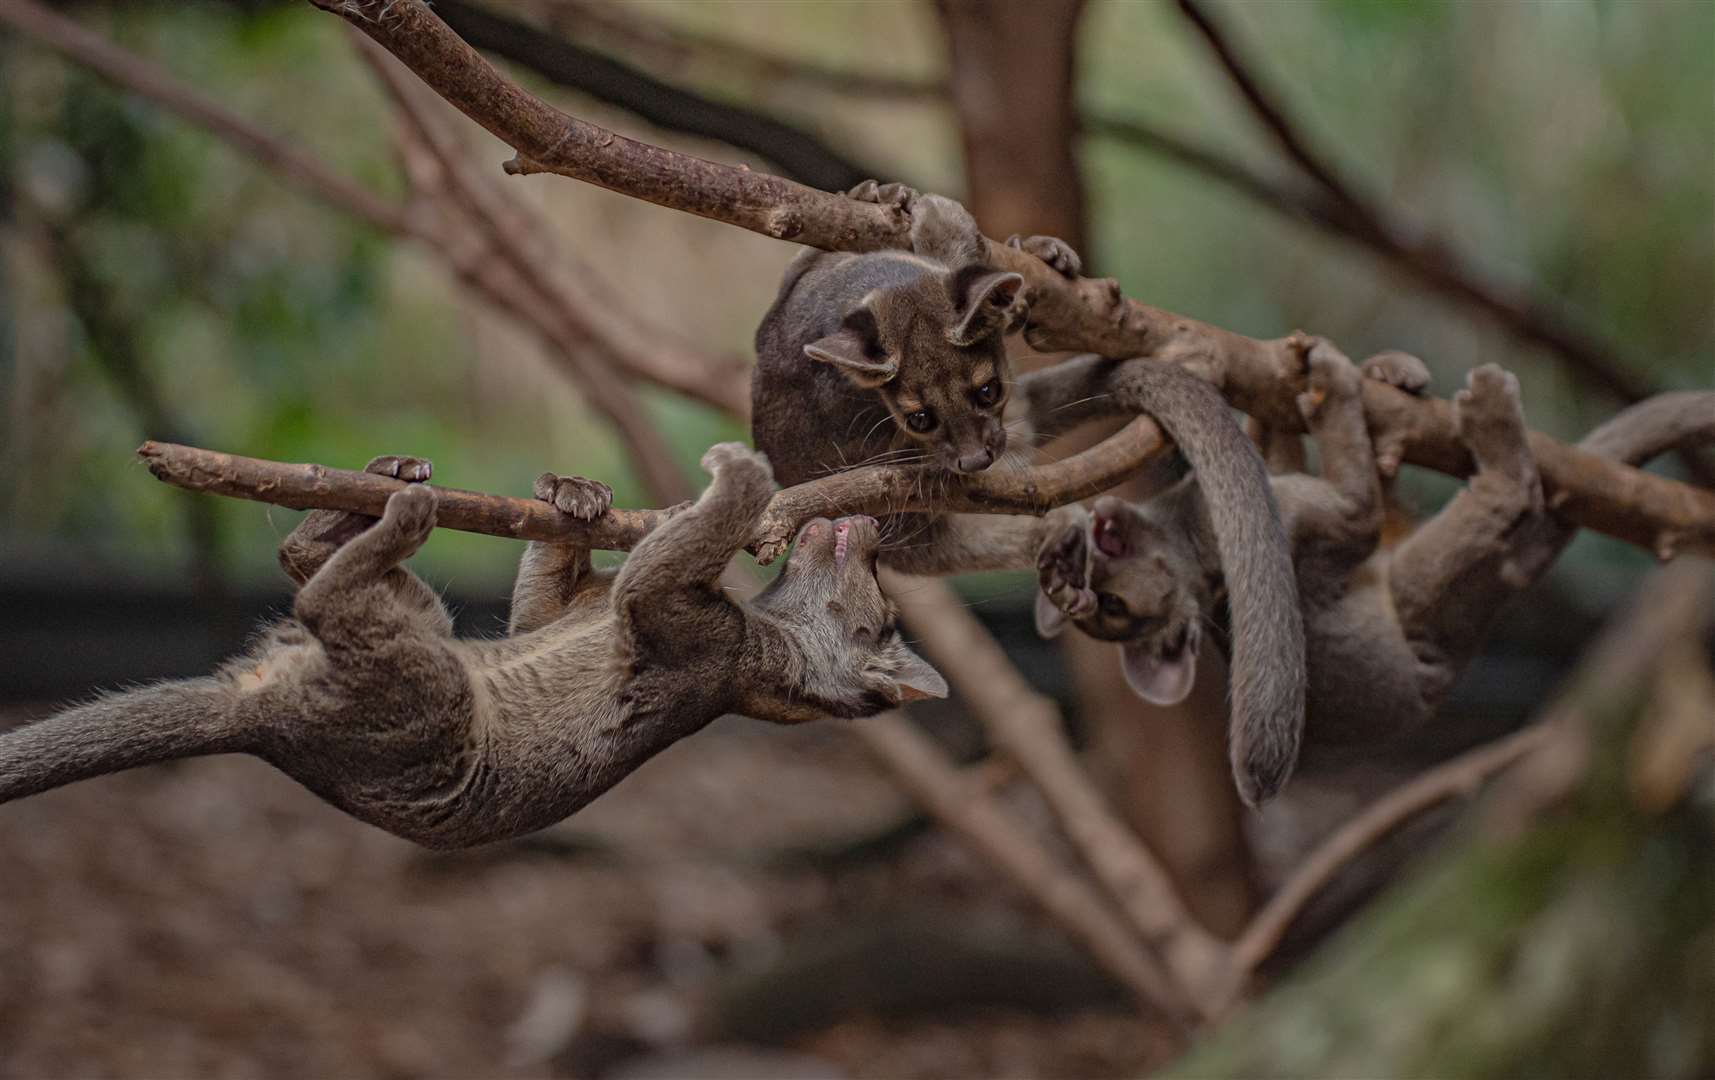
x=872 y=489
x=1089 y=314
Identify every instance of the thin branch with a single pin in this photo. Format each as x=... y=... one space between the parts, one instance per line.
x=503 y=234
x=873 y=489
x=1333 y=205
x=798 y=153
x=1671 y=606
x=568 y=296
x=1027 y=726
x=925 y=771
x=1273 y=118
x=670 y=46
x=1260 y=377
x=1453 y=779
x=146 y=80
x=1425 y=257
x=646 y=353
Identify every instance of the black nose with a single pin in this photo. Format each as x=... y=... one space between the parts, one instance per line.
x=976 y=461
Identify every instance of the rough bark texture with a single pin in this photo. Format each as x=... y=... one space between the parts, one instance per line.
x=1261 y=377
x=875 y=489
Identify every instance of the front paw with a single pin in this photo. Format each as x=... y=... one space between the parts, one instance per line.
x=736 y=457
x=582 y=498
x=412 y=470
x=1489 y=417
x=410 y=514
x=874 y=191
x=1399 y=369
x=1332 y=378
x=1063 y=562
x=1057 y=253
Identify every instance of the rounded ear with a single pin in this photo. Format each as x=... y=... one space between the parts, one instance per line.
x=1050 y=620
x=848 y=351
x=984 y=305
x=915 y=679
x=1159 y=680
x=855 y=349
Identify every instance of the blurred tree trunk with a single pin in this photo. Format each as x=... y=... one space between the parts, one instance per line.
x=1011 y=65
x=1012 y=75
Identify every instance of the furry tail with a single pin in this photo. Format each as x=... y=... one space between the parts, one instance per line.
x=1267 y=710
x=119 y=731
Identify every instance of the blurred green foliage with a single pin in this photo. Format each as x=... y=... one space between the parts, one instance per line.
x=1562 y=145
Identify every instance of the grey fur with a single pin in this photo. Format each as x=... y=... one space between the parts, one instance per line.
x=366 y=699
x=1386 y=632
x=855 y=344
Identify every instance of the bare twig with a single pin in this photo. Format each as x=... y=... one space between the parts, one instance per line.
x=1425 y=257
x=956 y=801
x=1261 y=377
x=646 y=354
x=1460 y=776
x=503 y=237
x=796 y=152
x=1333 y=204
x=145 y=79
x=1027 y=726
x=873 y=489
x=1670 y=607
x=667 y=45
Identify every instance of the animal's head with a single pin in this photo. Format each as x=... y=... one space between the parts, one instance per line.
x=843 y=644
x=1120 y=577
x=933 y=349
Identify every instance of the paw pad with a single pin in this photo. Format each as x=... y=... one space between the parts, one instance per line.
x=578 y=496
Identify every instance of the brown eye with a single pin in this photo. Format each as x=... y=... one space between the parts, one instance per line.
x=920 y=421
x=1111 y=605
x=988 y=393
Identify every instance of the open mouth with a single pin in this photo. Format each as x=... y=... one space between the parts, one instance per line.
x=1110 y=541
x=843 y=529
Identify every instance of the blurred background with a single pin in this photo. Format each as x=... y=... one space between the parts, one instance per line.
x=1528 y=184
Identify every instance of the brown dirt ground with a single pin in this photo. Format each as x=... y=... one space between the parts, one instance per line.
x=211 y=918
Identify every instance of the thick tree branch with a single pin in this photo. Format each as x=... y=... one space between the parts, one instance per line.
x=1260 y=377
x=1333 y=204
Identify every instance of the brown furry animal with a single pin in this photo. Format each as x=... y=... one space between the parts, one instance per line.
x=1386 y=631
x=367 y=699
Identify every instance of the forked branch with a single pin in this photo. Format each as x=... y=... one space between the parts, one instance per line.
x=1261 y=377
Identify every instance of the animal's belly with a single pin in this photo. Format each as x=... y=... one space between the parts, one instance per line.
x=1363 y=686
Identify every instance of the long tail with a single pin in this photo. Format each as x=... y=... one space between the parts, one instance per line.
x=1267 y=710
x=119 y=731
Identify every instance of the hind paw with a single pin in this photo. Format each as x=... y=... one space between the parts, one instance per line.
x=1057 y=253
x=412 y=470
x=1399 y=369
x=411 y=513
x=578 y=496
x=874 y=191
x=1490 y=416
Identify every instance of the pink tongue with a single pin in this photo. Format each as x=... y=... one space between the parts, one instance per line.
x=1108 y=538
x=840 y=531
